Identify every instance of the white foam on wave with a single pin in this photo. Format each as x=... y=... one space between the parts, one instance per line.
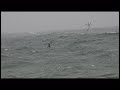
x=82 y=33
x=111 y=32
x=69 y=67
x=33 y=51
x=92 y=65
x=6 y=49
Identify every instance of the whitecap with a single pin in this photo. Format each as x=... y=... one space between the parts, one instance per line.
x=33 y=51
x=6 y=49
x=92 y=65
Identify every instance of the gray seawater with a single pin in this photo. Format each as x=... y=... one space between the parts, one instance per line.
x=70 y=56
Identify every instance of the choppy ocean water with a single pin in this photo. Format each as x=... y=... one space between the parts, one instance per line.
x=70 y=56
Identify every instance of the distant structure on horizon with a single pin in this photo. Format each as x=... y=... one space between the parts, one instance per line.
x=88 y=26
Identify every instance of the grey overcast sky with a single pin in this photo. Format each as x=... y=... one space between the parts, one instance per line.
x=48 y=21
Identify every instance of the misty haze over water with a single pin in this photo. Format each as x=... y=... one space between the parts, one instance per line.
x=13 y=22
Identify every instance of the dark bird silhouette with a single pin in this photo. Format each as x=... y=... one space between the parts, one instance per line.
x=49 y=45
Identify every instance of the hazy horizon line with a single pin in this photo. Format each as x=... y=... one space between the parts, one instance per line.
x=56 y=30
